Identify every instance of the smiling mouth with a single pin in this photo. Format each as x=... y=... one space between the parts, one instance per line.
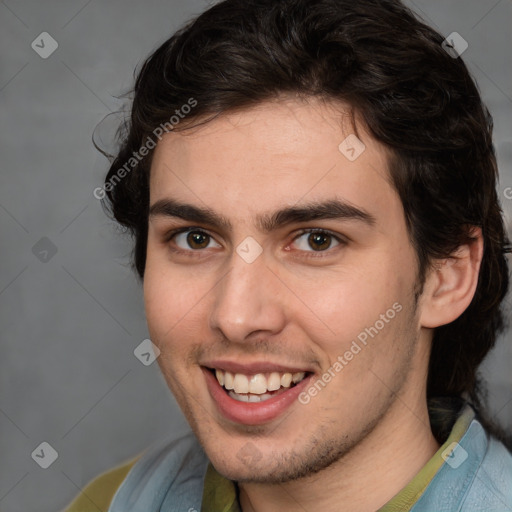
x=258 y=387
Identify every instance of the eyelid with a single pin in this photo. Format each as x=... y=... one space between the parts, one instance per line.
x=170 y=235
x=173 y=232
x=339 y=238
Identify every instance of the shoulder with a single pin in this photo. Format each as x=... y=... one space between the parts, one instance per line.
x=98 y=494
x=173 y=466
x=492 y=486
x=169 y=476
x=476 y=475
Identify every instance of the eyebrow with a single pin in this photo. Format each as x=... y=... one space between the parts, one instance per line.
x=331 y=209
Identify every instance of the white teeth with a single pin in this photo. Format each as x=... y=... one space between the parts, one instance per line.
x=241 y=383
x=274 y=381
x=250 y=398
x=240 y=398
x=297 y=377
x=228 y=380
x=257 y=384
x=286 y=380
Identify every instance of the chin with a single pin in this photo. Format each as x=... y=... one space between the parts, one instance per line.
x=249 y=464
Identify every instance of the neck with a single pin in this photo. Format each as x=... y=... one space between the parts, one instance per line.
x=365 y=478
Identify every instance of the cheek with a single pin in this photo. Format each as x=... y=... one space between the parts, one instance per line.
x=172 y=299
x=348 y=299
x=175 y=318
x=341 y=306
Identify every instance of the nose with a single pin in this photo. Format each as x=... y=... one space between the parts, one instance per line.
x=248 y=301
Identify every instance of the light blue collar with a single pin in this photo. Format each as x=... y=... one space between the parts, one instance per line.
x=169 y=477
x=476 y=476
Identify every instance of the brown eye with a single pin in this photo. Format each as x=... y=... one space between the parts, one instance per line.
x=319 y=241
x=197 y=240
x=316 y=241
x=194 y=239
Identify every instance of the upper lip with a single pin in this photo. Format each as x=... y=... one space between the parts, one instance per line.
x=253 y=367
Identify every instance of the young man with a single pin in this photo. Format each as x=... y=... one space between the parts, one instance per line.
x=311 y=187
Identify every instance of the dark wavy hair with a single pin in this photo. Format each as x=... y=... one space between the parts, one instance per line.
x=413 y=96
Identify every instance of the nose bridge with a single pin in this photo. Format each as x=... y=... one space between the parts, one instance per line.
x=246 y=300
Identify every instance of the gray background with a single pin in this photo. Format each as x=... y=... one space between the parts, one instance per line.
x=69 y=325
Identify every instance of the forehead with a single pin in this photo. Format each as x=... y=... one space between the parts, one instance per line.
x=282 y=152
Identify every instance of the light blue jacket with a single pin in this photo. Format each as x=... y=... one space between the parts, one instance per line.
x=475 y=475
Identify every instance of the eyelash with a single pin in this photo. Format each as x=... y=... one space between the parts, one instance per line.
x=309 y=254
x=321 y=254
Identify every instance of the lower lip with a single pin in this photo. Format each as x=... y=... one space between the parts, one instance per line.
x=252 y=413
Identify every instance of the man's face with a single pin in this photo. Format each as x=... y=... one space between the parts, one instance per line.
x=308 y=289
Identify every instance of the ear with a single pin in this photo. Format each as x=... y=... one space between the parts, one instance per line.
x=451 y=283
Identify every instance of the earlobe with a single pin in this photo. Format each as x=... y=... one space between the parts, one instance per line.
x=451 y=283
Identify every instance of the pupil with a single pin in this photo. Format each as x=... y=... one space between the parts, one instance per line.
x=196 y=239
x=319 y=241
